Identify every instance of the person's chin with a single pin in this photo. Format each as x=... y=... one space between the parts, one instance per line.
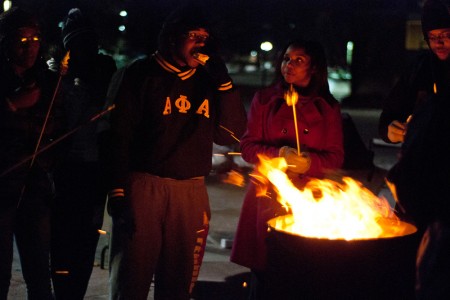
x=288 y=79
x=444 y=57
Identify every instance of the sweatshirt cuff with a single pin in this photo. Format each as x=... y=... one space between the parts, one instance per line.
x=119 y=192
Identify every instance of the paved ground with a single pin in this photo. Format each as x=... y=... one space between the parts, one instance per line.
x=219 y=278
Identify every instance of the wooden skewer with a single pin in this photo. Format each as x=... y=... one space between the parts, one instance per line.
x=291 y=99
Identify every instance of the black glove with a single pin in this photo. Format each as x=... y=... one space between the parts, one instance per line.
x=217 y=70
x=119 y=209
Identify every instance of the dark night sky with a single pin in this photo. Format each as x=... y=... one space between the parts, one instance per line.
x=243 y=23
x=377 y=27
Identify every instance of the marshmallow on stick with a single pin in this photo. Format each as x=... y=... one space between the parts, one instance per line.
x=201 y=58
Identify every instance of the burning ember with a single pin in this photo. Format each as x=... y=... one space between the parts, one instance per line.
x=331 y=210
x=235 y=178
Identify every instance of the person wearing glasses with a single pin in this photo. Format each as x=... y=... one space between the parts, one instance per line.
x=422 y=174
x=170 y=108
x=26 y=89
x=428 y=74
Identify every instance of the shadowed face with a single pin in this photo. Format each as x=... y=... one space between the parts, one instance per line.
x=189 y=44
x=439 y=41
x=296 y=67
x=23 y=47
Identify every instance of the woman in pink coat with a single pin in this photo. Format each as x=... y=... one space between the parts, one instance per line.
x=271 y=131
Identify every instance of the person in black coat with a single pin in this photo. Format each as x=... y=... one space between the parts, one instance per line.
x=428 y=73
x=422 y=174
x=27 y=124
x=79 y=206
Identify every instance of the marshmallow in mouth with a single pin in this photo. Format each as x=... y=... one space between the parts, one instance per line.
x=200 y=57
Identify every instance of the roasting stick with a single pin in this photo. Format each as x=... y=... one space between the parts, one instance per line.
x=63 y=70
x=56 y=141
x=291 y=100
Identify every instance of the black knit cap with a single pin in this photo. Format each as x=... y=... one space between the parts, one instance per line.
x=77 y=26
x=435 y=15
x=16 y=18
x=180 y=21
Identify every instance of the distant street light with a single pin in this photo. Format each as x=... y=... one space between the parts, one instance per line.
x=7 y=5
x=349 y=55
x=123 y=14
x=266 y=46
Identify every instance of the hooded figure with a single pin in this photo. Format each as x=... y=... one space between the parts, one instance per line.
x=422 y=174
x=18 y=59
x=429 y=73
x=435 y=16
x=179 y=22
x=14 y=19
x=79 y=178
x=26 y=189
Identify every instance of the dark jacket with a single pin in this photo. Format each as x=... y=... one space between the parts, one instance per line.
x=82 y=99
x=422 y=180
x=20 y=130
x=413 y=88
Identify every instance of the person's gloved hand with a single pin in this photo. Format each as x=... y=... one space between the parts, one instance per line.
x=216 y=68
x=119 y=209
x=396 y=131
x=298 y=164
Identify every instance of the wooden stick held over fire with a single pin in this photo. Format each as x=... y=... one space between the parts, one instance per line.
x=56 y=141
x=291 y=100
x=63 y=70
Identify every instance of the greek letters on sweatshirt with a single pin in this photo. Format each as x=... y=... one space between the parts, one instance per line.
x=166 y=120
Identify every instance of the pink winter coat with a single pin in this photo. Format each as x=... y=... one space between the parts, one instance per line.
x=270 y=127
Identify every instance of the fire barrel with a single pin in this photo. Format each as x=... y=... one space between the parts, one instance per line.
x=312 y=268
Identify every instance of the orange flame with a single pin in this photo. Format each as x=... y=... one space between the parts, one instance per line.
x=331 y=210
x=235 y=178
x=291 y=96
x=65 y=63
x=291 y=100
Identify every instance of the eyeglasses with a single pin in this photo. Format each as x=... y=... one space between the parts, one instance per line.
x=444 y=37
x=29 y=39
x=197 y=37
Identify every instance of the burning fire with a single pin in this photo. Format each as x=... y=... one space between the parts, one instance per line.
x=329 y=209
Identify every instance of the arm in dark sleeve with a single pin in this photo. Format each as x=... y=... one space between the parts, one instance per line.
x=122 y=123
x=398 y=106
x=231 y=118
x=422 y=175
x=402 y=99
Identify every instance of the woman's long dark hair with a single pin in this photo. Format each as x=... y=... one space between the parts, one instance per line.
x=319 y=78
